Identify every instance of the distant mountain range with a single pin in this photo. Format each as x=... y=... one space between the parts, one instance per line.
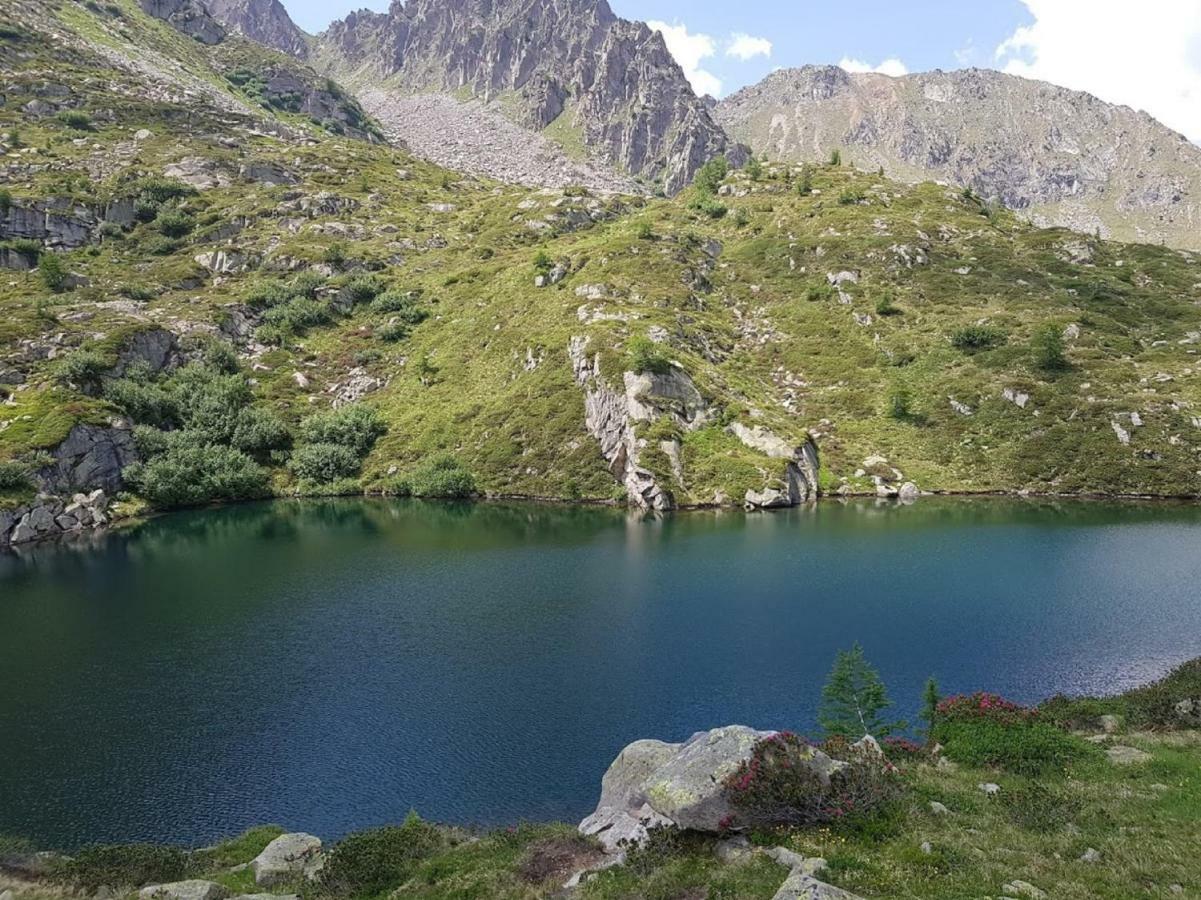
x=555 y=92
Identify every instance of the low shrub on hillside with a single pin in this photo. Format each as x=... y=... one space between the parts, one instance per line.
x=83 y=370
x=987 y=730
x=778 y=786
x=14 y=477
x=324 y=463
x=978 y=337
x=355 y=427
x=1039 y=806
x=441 y=477
x=645 y=356
x=52 y=272
x=127 y=865
x=1172 y=702
x=192 y=474
x=372 y=862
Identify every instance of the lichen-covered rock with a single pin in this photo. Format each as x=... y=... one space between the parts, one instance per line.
x=192 y=889
x=653 y=783
x=286 y=859
x=187 y=17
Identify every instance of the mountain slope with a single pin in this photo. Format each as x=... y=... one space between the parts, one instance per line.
x=746 y=342
x=1059 y=157
x=569 y=69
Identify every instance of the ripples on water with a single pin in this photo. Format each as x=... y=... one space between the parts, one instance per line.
x=330 y=665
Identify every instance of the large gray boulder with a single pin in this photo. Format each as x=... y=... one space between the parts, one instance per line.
x=287 y=859
x=652 y=783
x=193 y=889
x=91 y=457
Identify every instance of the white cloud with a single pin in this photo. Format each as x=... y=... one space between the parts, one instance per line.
x=967 y=54
x=1143 y=55
x=745 y=47
x=891 y=66
x=689 y=50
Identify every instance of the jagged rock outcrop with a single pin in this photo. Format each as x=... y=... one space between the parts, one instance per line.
x=264 y=21
x=610 y=83
x=49 y=517
x=188 y=17
x=59 y=223
x=1059 y=157
x=798 y=483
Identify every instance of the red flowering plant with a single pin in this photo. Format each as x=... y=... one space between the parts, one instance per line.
x=789 y=781
x=982 y=705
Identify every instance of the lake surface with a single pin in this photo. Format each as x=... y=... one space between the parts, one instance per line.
x=331 y=665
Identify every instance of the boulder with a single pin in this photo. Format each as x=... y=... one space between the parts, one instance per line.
x=193 y=889
x=91 y=457
x=799 y=886
x=286 y=859
x=188 y=17
x=1127 y=756
x=655 y=783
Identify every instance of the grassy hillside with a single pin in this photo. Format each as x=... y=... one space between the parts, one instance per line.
x=937 y=359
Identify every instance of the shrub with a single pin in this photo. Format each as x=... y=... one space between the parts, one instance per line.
x=6 y=201
x=394 y=301
x=144 y=402
x=543 y=262
x=644 y=232
x=84 y=369
x=440 y=477
x=1048 y=348
x=754 y=169
x=710 y=176
x=1158 y=705
x=886 y=307
x=978 y=337
x=711 y=207
x=52 y=272
x=804 y=185
x=293 y=317
x=156 y=190
x=899 y=403
x=14 y=477
x=127 y=865
x=173 y=223
x=393 y=331
x=355 y=427
x=373 y=862
x=258 y=432
x=987 y=730
x=192 y=475
x=363 y=289
x=778 y=785
x=835 y=158
x=76 y=119
x=324 y=463
x=851 y=197
x=854 y=699
x=646 y=356
x=334 y=255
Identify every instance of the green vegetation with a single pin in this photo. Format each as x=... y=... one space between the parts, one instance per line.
x=645 y=356
x=53 y=273
x=854 y=699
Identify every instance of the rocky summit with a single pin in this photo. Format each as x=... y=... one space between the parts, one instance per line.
x=1059 y=157
x=264 y=21
x=603 y=91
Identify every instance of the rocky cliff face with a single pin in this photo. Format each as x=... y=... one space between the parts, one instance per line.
x=265 y=21
x=1060 y=157
x=603 y=86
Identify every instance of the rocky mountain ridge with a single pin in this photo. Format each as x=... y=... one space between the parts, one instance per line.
x=1058 y=157
x=604 y=90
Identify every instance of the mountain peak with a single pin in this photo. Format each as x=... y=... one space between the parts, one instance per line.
x=264 y=21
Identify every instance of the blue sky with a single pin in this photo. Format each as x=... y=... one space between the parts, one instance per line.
x=1145 y=54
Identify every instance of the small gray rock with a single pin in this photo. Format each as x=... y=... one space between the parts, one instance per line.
x=192 y=889
x=990 y=789
x=1127 y=756
x=1091 y=855
x=939 y=809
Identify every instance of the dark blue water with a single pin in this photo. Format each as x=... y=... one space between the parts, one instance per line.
x=331 y=665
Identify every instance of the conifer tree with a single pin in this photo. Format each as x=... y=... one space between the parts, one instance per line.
x=854 y=699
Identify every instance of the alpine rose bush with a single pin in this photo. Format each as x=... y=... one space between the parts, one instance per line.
x=780 y=785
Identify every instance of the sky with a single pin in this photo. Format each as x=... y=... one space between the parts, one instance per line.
x=1142 y=53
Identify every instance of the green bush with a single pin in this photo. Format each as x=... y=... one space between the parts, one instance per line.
x=52 y=272
x=355 y=427
x=899 y=403
x=645 y=355
x=886 y=307
x=324 y=463
x=173 y=223
x=778 y=786
x=157 y=190
x=710 y=206
x=441 y=477
x=373 y=862
x=293 y=317
x=1156 y=705
x=127 y=866
x=393 y=331
x=1048 y=348
x=76 y=119
x=395 y=301
x=835 y=158
x=83 y=369
x=986 y=730
x=145 y=402
x=978 y=337
x=14 y=477
x=259 y=432
x=710 y=176
x=363 y=289
x=851 y=197
x=188 y=474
